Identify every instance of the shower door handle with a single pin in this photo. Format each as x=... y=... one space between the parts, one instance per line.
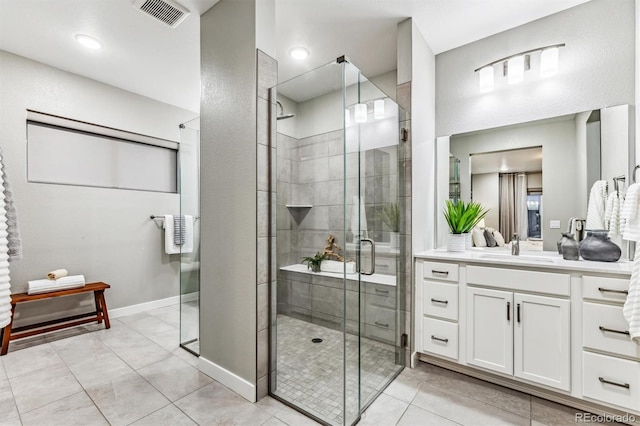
x=373 y=255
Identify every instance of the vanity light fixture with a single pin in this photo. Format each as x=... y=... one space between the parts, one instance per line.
x=514 y=66
x=360 y=113
x=378 y=109
x=515 y=69
x=549 y=61
x=299 y=53
x=486 y=79
x=88 y=41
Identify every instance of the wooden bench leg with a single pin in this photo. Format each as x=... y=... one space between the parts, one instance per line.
x=6 y=332
x=103 y=308
x=96 y=296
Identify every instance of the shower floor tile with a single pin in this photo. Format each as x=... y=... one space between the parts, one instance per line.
x=310 y=375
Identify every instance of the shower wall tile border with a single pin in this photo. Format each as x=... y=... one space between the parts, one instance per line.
x=266 y=77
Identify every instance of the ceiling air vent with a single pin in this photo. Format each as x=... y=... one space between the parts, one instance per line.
x=166 y=11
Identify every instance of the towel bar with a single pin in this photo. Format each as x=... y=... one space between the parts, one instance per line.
x=161 y=216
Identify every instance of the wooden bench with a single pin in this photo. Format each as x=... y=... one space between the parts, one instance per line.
x=99 y=315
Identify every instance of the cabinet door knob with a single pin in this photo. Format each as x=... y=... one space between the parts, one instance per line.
x=610 y=330
x=609 y=382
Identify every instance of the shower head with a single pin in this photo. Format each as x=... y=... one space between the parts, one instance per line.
x=281 y=115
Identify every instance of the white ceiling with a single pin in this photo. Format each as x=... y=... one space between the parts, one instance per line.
x=515 y=160
x=149 y=58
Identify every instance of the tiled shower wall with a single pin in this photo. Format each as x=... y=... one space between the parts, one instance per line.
x=310 y=171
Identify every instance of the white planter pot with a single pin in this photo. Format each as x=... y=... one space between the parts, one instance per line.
x=394 y=240
x=468 y=242
x=456 y=242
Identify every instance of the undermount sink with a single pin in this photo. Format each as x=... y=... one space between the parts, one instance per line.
x=529 y=258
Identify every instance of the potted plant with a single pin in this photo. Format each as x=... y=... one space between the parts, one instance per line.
x=314 y=262
x=462 y=218
x=390 y=216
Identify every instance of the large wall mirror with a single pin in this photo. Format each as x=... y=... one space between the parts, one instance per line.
x=534 y=177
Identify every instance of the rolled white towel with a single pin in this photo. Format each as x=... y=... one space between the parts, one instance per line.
x=57 y=273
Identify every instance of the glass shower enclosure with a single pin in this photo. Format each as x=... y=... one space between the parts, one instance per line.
x=336 y=332
x=189 y=184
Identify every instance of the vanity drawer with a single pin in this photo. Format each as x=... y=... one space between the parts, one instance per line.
x=518 y=279
x=440 y=300
x=601 y=288
x=602 y=329
x=440 y=271
x=386 y=265
x=612 y=380
x=440 y=337
x=380 y=311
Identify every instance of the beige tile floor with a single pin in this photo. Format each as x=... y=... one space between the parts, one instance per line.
x=135 y=373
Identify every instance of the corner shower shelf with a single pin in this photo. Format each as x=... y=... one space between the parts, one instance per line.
x=299 y=206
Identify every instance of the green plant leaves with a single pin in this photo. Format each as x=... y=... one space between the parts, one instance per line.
x=463 y=217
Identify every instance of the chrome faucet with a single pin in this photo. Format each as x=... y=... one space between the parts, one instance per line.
x=515 y=245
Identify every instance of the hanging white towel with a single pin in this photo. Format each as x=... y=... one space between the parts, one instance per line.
x=631 y=309
x=170 y=246
x=5 y=283
x=187 y=247
x=612 y=213
x=596 y=207
x=629 y=217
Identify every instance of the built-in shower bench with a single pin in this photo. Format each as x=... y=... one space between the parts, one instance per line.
x=99 y=315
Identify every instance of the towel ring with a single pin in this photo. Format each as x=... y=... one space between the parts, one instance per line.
x=635 y=169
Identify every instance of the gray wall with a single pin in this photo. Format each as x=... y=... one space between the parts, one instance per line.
x=229 y=155
x=596 y=69
x=486 y=191
x=560 y=182
x=105 y=234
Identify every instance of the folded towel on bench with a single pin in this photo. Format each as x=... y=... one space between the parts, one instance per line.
x=64 y=283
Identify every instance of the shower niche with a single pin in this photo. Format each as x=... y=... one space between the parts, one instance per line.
x=335 y=334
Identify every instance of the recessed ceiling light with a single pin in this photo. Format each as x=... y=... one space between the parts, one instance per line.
x=299 y=53
x=88 y=41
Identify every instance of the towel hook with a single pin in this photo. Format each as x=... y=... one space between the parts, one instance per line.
x=635 y=169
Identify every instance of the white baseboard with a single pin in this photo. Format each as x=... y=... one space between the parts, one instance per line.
x=154 y=304
x=234 y=382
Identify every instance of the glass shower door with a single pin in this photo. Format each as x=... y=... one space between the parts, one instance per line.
x=189 y=184
x=334 y=332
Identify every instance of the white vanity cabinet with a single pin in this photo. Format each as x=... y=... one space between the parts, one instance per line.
x=552 y=328
x=516 y=333
x=611 y=367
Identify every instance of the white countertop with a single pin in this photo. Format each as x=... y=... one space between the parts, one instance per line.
x=374 y=279
x=533 y=259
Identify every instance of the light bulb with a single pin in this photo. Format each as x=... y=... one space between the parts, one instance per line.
x=299 y=53
x=361 y=113
x=485 y=79
x=549 y=62
x=515 y=70
x=378 y=109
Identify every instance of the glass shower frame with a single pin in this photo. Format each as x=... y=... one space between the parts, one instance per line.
x=189 y=184
x=348 y=80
